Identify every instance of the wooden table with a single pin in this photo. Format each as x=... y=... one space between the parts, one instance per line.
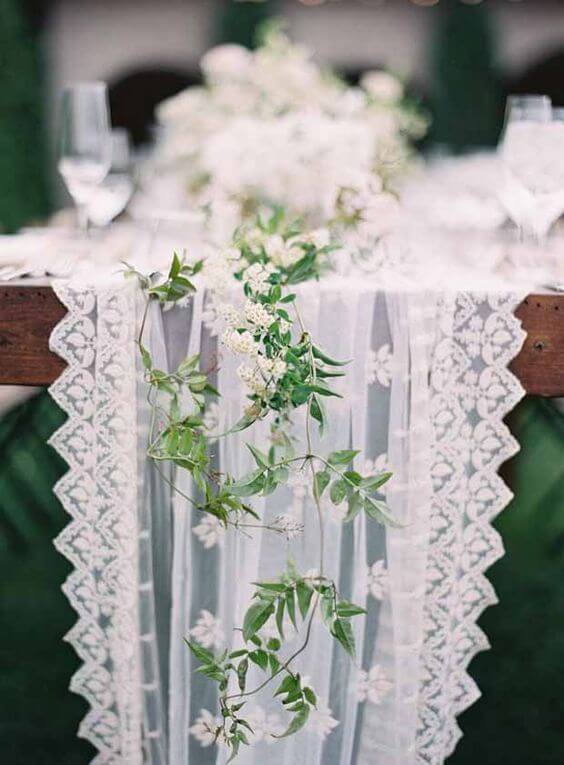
x=28 y=314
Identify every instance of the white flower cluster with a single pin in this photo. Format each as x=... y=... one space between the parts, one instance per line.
x=257 y=277
x=289 y=526
x=240 y=342
x=271 y=125
x=208 y=630
x=258 y=315
x=374 y=685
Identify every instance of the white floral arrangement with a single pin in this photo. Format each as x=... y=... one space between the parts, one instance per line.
x=272 y=127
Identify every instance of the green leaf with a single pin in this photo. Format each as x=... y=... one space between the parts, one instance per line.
x=289 y=298
x=338 y=491
x=287 y=685
x=260 y=458
x=300 y=395
x=318 y=354
x=273 y=644
x=342 y=630
x=320 y=482
x=310 y=696
x=343 y=457
x=355 y=504
x=245 y=422
x=292 y=697
x=199 y=652
x=353 y=477
x=280 y=617
x=274 y=663
x=380 y=512
x=260 y=658
x=212 y=671
x=316 y=410
x=345 y=608
x=237 y=654
x=272 y=586
x=305 y=594
x=323 y=391
x=327 y=606
x=175 y=267
x=242 y=673
x=374 y=482
x=298 y=722
x=291 y=607
x=188 y=365
x=146 y=356
x=257 y=615
x=246 y=488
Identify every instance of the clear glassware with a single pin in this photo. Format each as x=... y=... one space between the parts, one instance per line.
x=112 y=196
x=534 y=180
x=84 y=143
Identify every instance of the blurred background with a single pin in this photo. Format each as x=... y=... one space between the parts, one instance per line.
x=460 y=60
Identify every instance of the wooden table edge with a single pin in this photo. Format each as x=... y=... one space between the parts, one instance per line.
x=29 y=313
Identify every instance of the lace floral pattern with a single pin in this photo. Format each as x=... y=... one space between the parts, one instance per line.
x=98 y=441
x=472 y=391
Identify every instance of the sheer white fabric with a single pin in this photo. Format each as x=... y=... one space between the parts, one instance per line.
x=426 y=393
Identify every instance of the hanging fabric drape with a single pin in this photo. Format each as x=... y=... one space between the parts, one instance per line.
x=425 y=395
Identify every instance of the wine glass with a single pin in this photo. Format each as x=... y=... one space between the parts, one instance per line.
x=112 y=196
x=532 y=193
x=84 y=143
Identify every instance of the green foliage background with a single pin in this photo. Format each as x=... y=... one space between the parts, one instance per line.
x=518 y=720
x=24 y=193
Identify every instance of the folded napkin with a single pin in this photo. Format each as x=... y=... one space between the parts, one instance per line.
x=45 y=252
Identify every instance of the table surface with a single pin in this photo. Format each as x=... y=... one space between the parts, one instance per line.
x=30 y=310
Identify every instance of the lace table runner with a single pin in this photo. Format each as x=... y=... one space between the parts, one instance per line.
x=427 y=395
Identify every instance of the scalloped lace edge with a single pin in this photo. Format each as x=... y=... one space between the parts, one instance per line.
x=97 y=392
x=464 y=545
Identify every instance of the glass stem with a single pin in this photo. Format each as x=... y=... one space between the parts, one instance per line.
x=82 y=217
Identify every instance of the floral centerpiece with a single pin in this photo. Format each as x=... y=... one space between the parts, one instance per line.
x=272 y=127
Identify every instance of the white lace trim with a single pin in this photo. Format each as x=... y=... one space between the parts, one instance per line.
x=472 y=391
x=97 y=391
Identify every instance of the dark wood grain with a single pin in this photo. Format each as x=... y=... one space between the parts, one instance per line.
x=540 y=365
x=27 y=317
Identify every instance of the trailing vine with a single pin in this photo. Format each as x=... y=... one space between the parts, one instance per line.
x=284 y=370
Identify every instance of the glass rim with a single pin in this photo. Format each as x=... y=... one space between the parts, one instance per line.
x=86 y=85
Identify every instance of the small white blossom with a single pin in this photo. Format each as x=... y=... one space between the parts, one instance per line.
x=208 y=631
x=229 y=314
x=257 y=277
x=321 y=720
x=265 y=726
x=283 y=253
x=257 y=314
x=379 y=367
x=251 y=378
x=211 y=420
x=382 y=86
x=289 y=525
x=227 y=63
x=377 y=579
x=209 y=531
x=240 y=342
x=274 y=368
x=204 y=728
x=320 y=238
x=373 y=685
